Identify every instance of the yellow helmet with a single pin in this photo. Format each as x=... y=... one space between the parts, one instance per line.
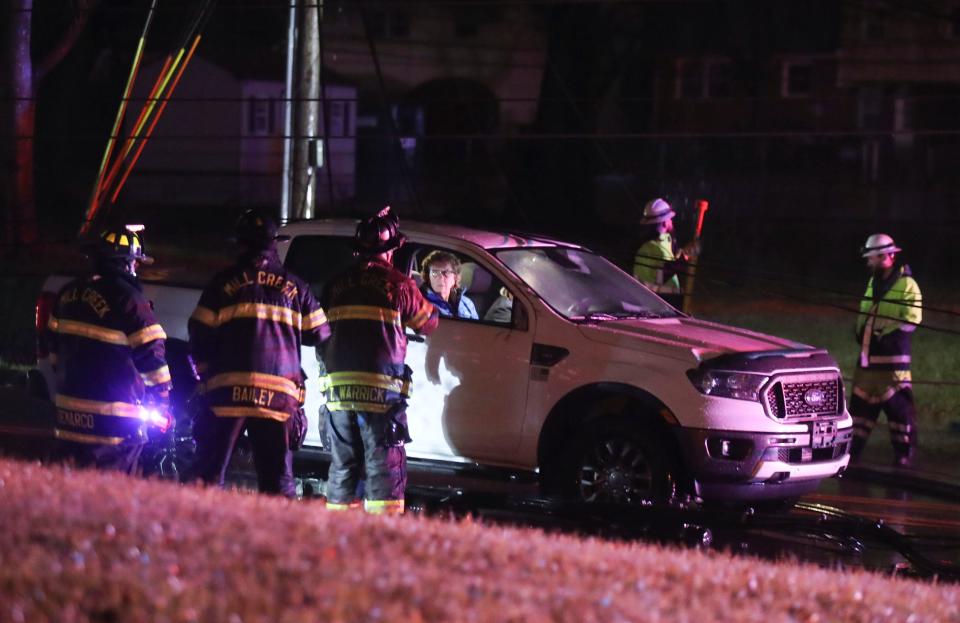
x=123 y=243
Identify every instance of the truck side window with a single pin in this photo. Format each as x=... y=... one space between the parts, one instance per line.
x=317 y=259
x=492 y=300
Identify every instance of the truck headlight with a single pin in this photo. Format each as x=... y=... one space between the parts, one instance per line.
x=737 y=385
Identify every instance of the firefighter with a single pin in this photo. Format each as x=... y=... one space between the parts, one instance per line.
x=370 y=306
x=108 y=350
x=658 y=260
x=890 y=311
x=246 y=334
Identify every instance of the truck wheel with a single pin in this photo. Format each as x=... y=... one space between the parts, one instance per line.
x=615 y=461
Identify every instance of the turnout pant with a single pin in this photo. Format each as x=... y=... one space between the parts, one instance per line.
x=372 y=444
x=901 y=418
x=269 y=440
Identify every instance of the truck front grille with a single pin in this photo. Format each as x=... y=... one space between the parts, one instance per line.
x=804 y=396
x=816 y=455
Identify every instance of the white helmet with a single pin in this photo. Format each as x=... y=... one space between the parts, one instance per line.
x=879 y=244
x=656 y=211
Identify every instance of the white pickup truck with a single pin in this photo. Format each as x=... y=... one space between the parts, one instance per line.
x=577 y=373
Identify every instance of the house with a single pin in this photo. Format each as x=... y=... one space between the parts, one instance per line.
x=219 y=141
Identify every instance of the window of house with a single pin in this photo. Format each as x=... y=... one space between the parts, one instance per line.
x=796 y=79
x=260 y=116
x=703 y=78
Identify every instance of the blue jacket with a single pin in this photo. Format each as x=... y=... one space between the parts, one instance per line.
x=465 y=307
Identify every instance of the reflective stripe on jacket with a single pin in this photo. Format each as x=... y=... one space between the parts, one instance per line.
x=246 y=334
x=369 y=308
x=650 y=265
x=110 y=354
x=887 y=320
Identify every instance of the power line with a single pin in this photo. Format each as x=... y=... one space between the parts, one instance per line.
x=557 y=136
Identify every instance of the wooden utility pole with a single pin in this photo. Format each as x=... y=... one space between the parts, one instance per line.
x=303 y=112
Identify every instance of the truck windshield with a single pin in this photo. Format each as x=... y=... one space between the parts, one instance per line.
x=583 y=286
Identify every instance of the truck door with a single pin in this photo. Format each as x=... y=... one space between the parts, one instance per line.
x=470 y=376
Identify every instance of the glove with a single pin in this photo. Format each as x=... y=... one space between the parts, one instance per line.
x=692 y=249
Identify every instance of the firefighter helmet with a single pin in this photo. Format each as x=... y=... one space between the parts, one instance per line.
x=379 y=233
x=879 y=244
x=656 y=211
x=257 y=229
x=121 y=243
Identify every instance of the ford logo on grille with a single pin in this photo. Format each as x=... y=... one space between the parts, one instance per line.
x=815 y=397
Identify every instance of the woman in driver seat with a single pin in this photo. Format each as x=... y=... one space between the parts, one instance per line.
x=442 y=286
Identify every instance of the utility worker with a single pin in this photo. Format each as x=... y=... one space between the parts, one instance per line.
x=889 y=313
x=370 y=306
x=246 y=334
x=109 y=356
x=658 y=260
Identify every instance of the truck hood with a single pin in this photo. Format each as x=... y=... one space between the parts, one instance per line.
x=684 y=338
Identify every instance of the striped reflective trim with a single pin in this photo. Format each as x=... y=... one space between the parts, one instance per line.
x=334 y=506
x=116 y=409
x=370 y=379
x=263 y=412
x=422 y=316
x=159 y=376
x=90 y=331
x=903 y=428
x=889 y=359
x=314 y=320
x=365 y=312
x=81 y=438
x=370 y=407
x=383 y=507
x=145 y=335
x=205 y=316
x=260 y=311
x=901 y=438
x=255 y=379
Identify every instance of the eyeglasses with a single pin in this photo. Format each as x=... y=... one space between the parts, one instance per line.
x=436 y=272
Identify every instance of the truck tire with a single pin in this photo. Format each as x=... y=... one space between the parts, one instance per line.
x=614 y=460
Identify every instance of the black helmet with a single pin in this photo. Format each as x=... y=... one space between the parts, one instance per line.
x=379 y=233
x=121 y=243
x=257 y=229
